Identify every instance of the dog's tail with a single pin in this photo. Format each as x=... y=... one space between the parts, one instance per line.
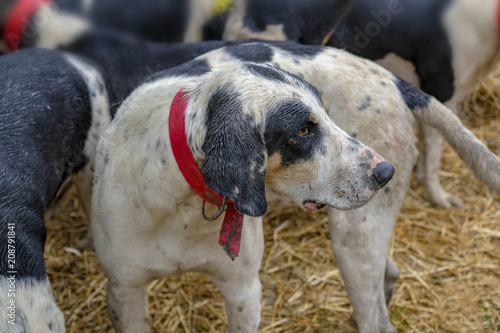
x=473 y=152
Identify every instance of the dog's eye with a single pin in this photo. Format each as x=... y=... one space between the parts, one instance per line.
x=304 y=131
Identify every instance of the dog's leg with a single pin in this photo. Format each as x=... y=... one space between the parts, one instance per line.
x=239 y=280
x=429 y=166
x=84 y=186
x=242 y=297
x=360 y=241
x=127 y=307
x=391 y=276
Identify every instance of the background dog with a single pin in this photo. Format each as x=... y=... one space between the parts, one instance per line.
x=429 y=43
x=50 y=120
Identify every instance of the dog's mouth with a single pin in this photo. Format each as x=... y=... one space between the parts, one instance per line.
x=313 y=205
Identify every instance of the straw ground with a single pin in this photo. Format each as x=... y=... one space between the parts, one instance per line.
x=449 y=260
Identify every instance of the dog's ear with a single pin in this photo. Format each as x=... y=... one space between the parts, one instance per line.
x=235 y=153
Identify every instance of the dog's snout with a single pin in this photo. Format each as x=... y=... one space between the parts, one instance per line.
x=382 y=173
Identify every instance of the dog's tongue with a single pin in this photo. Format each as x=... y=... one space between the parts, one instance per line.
x=312 y=205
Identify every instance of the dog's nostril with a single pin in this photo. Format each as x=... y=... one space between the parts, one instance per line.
x=383 y=172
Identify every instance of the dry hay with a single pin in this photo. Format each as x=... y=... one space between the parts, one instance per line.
x=449 y=260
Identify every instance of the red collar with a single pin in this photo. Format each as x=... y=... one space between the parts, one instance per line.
x=230 y=234
x=17 y=18
x=498 y=16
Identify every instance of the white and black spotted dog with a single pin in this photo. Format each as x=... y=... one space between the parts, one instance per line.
x=255 y=132
x=53 y=106
x=146 y=220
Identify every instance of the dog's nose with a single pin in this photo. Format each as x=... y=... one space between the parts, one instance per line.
x=382 y=173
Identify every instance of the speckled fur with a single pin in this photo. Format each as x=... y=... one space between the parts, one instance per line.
x=35 y=308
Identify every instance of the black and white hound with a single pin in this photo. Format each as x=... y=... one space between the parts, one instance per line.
x=255 y=132
x=53 y=106
x=136 y=153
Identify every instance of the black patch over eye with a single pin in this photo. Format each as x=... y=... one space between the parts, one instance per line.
x=290 y=133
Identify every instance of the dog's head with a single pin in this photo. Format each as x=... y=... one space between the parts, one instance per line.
x=268 y=132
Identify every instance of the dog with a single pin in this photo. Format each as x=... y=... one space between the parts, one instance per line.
x=273 y=140
x=53 y=106
x=366 y=230
x=432 y=44
x=159 y=21
x=360 y=247
x=307 y=22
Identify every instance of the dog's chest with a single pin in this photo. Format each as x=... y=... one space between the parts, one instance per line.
x=185 y=241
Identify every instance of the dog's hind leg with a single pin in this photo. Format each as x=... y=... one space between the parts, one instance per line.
x=430 y=144
x=360 y=241
x=391 y=276
x=83 y=181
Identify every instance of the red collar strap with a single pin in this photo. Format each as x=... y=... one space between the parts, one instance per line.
x=17 y=18
x=498 y=16
x=230 y=234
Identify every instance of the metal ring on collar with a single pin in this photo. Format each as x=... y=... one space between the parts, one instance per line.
x=221 y=210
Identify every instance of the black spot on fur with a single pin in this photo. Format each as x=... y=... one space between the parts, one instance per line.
x=281 y=134
x=267 y=72
x=257 y=52
x=114 y=315
x=366 y=104
x=354 y=141
x=234 y=153
x=413 y=97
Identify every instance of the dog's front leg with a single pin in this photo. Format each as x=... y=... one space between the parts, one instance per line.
x=127 y=307
x=242 y=302
x=360 y=241
x=239 y=280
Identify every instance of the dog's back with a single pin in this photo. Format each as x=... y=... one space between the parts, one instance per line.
x=51 y=107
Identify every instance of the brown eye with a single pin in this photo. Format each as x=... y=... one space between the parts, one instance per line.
x=304 y=131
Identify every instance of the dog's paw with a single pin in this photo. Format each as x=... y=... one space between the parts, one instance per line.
x=86 y=244
x=444 y=199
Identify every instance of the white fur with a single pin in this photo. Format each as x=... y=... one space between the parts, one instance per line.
x=56 y=28
x=101 y=118
x=35 y=308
